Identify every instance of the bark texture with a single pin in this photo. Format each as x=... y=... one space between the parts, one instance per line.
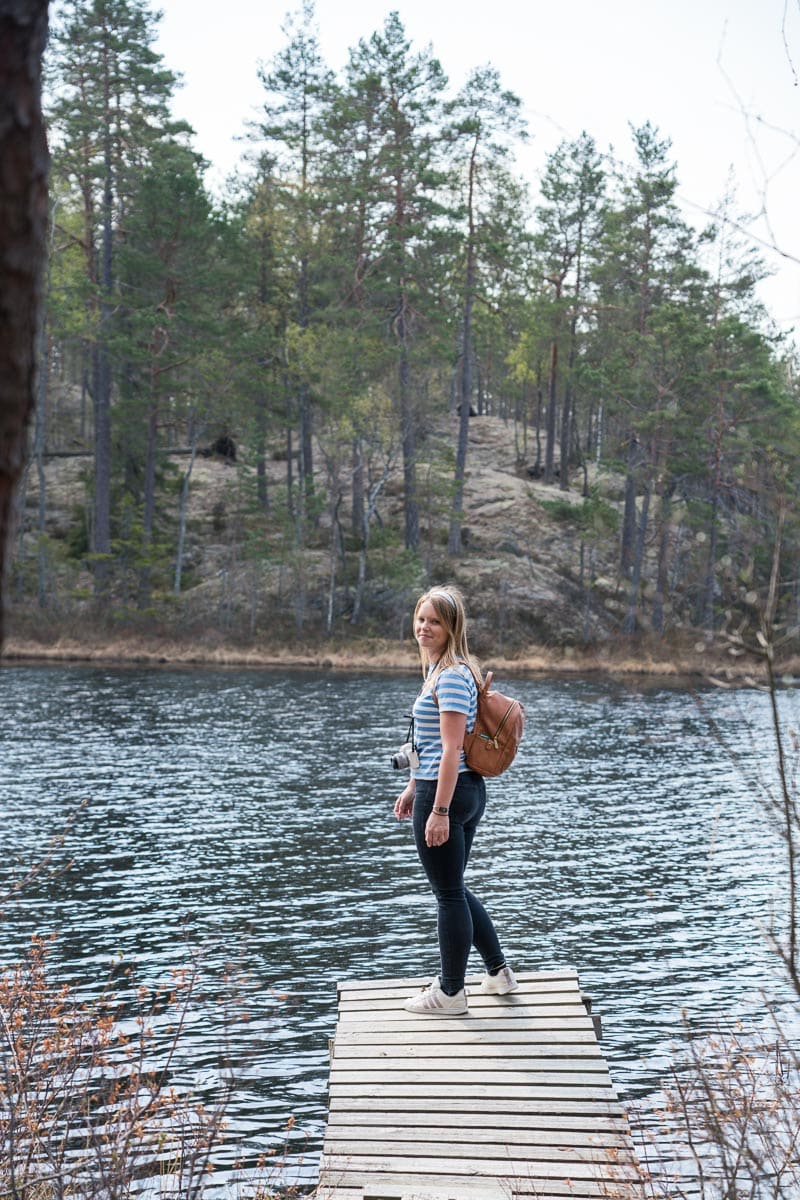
x=23 y=228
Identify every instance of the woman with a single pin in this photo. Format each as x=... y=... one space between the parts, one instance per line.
x=447 y=801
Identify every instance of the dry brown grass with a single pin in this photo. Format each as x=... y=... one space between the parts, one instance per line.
x=658 y=661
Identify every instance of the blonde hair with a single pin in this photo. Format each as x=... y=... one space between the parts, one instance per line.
x=448 y=604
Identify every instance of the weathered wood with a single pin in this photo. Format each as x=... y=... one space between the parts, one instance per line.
x=459 y=1102
x=477 y=1046
x=507 y=1132
x=528 y=980
x=506 y=1023
x=542 y=982
x=581 y=1127
x=479 y=1010
x=387 y=1186
x=429 y=1090
x=512 y=1099
x=557 y=996
x=557 y=1071
x=517 y=1147
x=379 y=1187
x=495 y=1164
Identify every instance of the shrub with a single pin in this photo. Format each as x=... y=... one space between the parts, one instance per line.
x=83 y=1109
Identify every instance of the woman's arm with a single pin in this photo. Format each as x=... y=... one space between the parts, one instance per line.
x=453 y=726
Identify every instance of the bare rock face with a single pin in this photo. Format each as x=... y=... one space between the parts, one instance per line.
x=527 y=577
x=532 y=578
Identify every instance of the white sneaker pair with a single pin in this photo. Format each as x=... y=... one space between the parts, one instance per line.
x=433 y=1001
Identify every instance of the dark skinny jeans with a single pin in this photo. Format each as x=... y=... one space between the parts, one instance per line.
x=463 y=922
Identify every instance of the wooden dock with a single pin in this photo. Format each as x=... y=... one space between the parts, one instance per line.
x=512 y=1100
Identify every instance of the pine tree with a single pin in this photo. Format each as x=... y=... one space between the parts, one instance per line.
x=738 y=358
x=173 y=289
x=484 y=121
x=649 y=331
x=568 y=222
x=391 y=100
x=110 y=108
x=297 y=87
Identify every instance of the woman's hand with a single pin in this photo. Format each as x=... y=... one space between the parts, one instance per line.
x=404 y=802
x=437 y=829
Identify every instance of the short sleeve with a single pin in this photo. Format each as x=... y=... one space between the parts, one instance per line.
x=455 y=692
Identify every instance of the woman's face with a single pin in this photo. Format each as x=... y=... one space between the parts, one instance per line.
x=430 y=631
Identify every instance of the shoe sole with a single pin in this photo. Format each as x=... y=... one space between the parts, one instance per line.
x=438 y=1012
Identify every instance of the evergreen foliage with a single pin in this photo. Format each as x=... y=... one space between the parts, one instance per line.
x=378 y=268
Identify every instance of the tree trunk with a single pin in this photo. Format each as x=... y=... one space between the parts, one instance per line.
x=587 y=580
x=550 y=443
x=629 y=512
x=598 y=452
x=409 y=441
x=357 y=507
x=262 y=490
x=539 y=408
x=566 y=438
x=184 y=504
x=306 y=461
x=630 y=622
x=662 y=573
x=149 y=506
x=23 y=226
x=39 y=438
x=706 y=616
x=465 y=375
x=707 y=613
x=368 y=512
x=290 y=503
x=335 y=551
x=465 y=378
x=568 y=420
x=771 y=607
x=101 y=525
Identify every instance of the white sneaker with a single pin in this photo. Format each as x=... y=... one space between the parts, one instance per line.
x=437 y=1003
x=500 y=984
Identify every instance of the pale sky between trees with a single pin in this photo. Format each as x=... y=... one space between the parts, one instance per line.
x=719 y=77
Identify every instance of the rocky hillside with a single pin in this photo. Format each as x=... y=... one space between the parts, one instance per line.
x=538 y=580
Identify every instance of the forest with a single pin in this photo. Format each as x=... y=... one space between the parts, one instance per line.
x=378 y=292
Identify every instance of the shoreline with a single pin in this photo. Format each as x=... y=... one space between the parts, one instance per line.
x=381 y=657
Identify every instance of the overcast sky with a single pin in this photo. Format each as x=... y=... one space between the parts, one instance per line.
x=716 y=76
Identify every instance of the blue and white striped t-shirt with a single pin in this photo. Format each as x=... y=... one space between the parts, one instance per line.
x=456 y=692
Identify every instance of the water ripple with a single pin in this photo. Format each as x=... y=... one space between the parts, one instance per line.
x=249 y=813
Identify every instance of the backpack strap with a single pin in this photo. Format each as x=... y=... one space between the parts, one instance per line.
x=481 y=685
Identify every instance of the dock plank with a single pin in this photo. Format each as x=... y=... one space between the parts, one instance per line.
x=475 y=1047
x=514 y=1099
x=478 y=1130
x=534 y=1030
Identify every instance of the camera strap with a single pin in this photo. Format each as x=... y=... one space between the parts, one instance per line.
x=410 y=732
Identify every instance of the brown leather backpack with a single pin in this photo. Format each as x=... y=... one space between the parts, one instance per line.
x=492 y=746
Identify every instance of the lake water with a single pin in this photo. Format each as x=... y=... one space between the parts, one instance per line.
x=248 y=813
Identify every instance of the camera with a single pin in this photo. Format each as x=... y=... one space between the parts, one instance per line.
x=406 y=757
